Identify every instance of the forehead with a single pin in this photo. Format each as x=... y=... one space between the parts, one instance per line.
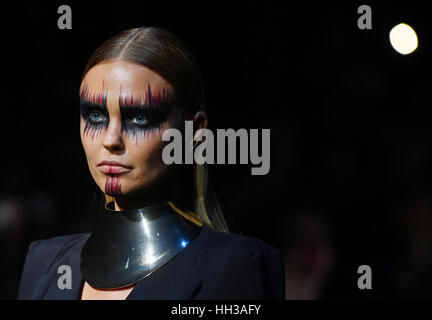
x=122 y=75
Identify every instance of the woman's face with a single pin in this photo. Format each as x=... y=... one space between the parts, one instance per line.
x=125 y=108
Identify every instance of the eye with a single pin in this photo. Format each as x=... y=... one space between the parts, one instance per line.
x=96 y=116
x=140 y=120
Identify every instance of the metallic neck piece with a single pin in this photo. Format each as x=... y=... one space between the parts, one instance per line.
x=127 y=246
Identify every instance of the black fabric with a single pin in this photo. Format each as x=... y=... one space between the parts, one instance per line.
x=214 y=266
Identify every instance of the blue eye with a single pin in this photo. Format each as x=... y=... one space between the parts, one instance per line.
x=140 y=120
x=96 y=117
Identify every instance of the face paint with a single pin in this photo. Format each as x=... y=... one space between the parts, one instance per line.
x=146 y=117
x=113 y=186
x=94 y=111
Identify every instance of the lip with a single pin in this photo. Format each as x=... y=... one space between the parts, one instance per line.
x=113 y=167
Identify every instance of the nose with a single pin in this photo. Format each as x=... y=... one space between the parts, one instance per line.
x=113 y=140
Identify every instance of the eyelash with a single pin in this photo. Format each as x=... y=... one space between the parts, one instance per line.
x=93 y=127
x=88 y=110
x=154 y=120
x=93 y=121
x=153 y=117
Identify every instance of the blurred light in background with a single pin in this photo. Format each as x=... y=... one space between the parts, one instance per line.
x=403 y=38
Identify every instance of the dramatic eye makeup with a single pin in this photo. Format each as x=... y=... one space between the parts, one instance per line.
x=141 y=117
x=146 y=117
x=94 y=111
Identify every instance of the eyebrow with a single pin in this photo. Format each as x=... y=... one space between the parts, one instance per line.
x=88 y=105
x=158 y=98
x=97 y=99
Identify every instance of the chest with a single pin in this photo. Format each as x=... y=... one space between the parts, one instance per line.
x=91 y=293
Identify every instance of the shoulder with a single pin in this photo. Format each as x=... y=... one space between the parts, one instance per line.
x=42 y=254
x=55 y=244
x=239 y=245
x=243 y=267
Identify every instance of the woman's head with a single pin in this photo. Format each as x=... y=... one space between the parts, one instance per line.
x=124 y=109
x=134 y=86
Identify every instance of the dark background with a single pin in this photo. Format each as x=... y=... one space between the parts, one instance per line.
x=350 y=178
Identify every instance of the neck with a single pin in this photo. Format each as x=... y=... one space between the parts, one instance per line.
x=179 y=193
x=142 y=200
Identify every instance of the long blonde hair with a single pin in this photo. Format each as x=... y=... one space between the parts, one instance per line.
x=164 y=53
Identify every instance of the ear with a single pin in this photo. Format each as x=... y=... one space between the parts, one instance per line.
x=200 y=121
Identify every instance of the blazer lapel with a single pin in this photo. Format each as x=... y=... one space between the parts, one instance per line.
x=70 y=258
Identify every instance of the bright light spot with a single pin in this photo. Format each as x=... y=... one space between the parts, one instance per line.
x=403 y=38
x=148 y=256
x=146 y=227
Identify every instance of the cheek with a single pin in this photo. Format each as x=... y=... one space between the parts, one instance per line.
x=148 y=150
x=84 y=139
x=86 y=146
x=89 y=148
x=147 y=159
x=147 y=153
x=91 y=138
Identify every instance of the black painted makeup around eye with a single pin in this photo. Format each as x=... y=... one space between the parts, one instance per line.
x=91 y=104
x=88 y=111
x=152 y=112
x=154 y=118
x=152 y=108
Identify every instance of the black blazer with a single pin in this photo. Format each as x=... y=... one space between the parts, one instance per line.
x=214 y=266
